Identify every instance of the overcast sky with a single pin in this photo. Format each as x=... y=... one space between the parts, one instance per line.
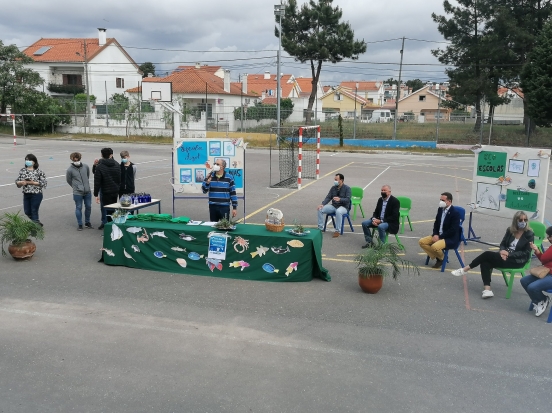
x=238 y=35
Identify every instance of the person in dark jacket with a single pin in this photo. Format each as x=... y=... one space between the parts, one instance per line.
x=446 y=231
x=385 y=218
x=340 y=197
x=107 y=179
x=128 y=175
x=515 y=251
x=77 y=176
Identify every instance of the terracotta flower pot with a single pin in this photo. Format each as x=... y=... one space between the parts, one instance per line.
x=370 y=284
x=23 y=251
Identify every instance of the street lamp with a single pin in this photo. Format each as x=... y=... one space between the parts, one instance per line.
x=279 y=11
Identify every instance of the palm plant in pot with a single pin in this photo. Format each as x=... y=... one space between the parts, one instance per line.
x=16 y=231
x=379 y=261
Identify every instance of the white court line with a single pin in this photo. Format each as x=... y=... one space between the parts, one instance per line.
x=376 y=177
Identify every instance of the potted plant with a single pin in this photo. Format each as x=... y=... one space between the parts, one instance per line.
x=379 y=261
x=298 y=229
x=226 y=224
x=16 y=231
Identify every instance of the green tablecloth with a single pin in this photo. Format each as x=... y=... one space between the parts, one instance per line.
x=165 y=239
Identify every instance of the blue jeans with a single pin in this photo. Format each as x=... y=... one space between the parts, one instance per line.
x=382 y=230
x=330 y=209
x=535 y=286
x=31 y=203
x=87 y=198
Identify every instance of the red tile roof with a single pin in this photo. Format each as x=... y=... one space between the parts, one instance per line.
x=65 y=50
x=305 y=84
x=363 y=85
x=257 y=84
x=206 y=68
x=503 y=90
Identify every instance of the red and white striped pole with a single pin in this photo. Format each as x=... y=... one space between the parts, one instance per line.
x=318 y=154
x=300 y=167
x=14 y=136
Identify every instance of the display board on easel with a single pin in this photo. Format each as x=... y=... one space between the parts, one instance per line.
x=508 y=179
x=193 y=159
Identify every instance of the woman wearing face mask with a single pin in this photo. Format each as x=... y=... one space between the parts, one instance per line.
x=33 y=181
x=515 y=251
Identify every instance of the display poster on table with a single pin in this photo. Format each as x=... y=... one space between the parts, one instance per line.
x=508 y=179
x=193 y=160
x=217 y=246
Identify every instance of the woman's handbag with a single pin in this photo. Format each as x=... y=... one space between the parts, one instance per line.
x=540 y=272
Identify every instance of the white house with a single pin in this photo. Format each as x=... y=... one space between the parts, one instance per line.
x=73 y=65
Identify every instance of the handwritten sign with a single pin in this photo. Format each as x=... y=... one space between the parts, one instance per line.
x=491 y=164
x=192 y=153
x=521 y=200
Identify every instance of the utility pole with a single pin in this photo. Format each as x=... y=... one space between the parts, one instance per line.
x=241 y=103
x=279 y=11
x=354 y=119
x=398 y=94
x=438 y=114
x=87 y=121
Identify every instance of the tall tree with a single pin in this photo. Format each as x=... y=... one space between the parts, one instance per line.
x=315 y=34
x=15 y=80
x=415 y=84
x=536 y=79
x=147 y=68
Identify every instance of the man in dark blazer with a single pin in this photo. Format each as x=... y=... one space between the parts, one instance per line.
x=385 y=218
x=446 y=231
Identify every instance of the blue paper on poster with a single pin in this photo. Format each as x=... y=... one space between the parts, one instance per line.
x=192 y=153
x=237 y=174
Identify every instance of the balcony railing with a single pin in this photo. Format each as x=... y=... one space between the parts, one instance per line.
x=67 y=89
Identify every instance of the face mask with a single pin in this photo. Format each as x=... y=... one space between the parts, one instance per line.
x=384 y=195
x=216 y=168
x=76 y=163
x=336 y=183
x=522 y=224
x=442 y=204
x=124 y=160
x=29 y=163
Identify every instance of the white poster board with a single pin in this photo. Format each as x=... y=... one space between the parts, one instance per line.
x=191 y=156
x=508 y=179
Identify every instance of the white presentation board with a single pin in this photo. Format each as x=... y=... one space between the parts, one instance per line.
x=191 y=156
x=508 y=179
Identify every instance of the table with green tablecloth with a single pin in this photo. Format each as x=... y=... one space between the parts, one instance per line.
x=252 y=253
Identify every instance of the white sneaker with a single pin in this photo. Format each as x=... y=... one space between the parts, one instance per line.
x=541 y=307
x=487 y=294
x=459 y=272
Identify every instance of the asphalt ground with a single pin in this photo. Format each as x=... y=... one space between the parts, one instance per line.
x=77 y=335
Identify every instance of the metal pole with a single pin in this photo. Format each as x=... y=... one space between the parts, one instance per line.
x=241 y=103
x=354 y=119
x=87 y=90
x=482 y=118
x=106 y=106
x=438 y=116
x=280 y=11
x=206 y=109
x=398 y=94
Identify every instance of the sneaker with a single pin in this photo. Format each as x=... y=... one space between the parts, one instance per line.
x=541 y=307
x=487 y=294
x=438 y=263
x=88 y=225
x=79 y=228
x=367 y=245
x=459 y=272
x=101 y=226
x=335 y=234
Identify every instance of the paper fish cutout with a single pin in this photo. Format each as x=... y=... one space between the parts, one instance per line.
x=159 y=254
x=515 y=155
x=108 y=252
x=295 y=243
x=292 y=267
x=135 y=248
x=241 y=264
x=260 y=251
x=212 y=264
x=279 y=250
x=178 y=249
x=143 y=238
x=116 y=232
x=194 y=256
x=269 y=268
x=134 y=230
x=160 y=234
x=128 y=255
x=182 y=262
x=186 y=237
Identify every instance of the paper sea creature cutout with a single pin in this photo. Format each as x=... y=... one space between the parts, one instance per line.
x=295 y=243
x=241 y=264
x=186 y=237
x=135 y=248
x=128 y=255
x=535 y=215
x=515 y=155
x=473 y=205
x=279 y=250
x=269 y=268
x=108 y=252
x=134 y=230
x=116 y=232
x=213 y=263
x=502 y=197
x=178 y=249
x=543 y=154
x=143 y=238
x=182 y=262
x=476 y=148
x=194 y=256
x=240 y=244
x=521 y=189
x=239 y=143
x=160 y=234
x=504 y=181
x=260 y=252
x=531 y=184
x=292 y=267
x=159 y=254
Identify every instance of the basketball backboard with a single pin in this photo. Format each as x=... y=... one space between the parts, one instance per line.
x=159 y=91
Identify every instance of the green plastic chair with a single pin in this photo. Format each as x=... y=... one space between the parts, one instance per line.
x=509 y=273
x=539 y=229
x=387 y=238
x=406 y=204
x=357 y=194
